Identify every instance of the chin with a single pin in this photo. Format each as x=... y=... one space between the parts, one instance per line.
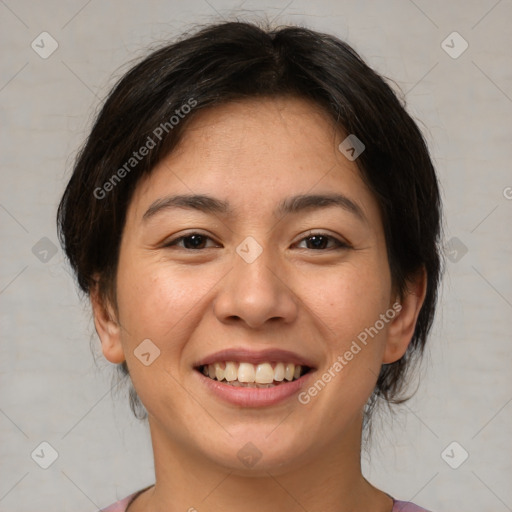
x=258 y=454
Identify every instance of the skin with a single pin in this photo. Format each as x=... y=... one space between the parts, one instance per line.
x=313 y=301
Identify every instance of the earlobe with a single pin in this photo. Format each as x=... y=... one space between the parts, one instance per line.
x=107 y=327
x=402 y=327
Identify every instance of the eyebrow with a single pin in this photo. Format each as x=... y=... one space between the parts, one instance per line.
x=290 y=205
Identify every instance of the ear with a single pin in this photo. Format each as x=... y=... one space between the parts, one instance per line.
x=107 y=326
x=401 y=328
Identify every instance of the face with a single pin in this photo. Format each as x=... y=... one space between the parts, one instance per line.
x=284 y=262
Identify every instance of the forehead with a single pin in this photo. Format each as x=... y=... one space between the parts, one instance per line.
x=253 y=153
x=275 y=125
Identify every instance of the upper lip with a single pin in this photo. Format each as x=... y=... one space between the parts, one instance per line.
x=255 y=357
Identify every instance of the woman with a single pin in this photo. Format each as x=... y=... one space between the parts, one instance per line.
x=256 y=220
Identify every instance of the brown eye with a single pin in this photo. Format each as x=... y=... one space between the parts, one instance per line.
x=320 y=241
x=194 y=241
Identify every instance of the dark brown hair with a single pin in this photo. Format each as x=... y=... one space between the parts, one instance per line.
x=153 y=103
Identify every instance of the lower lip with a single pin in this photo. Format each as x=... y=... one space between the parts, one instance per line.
x=254 y=397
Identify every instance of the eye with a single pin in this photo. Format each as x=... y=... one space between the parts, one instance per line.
x=314 y=241
x=192 y=241
x=319 y=241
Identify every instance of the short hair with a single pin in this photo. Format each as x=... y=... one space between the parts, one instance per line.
x=233 y=61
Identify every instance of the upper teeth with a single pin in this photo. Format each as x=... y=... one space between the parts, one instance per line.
x=262 y=373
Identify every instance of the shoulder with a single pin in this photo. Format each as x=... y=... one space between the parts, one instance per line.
x=406 y=506
x=121 y=505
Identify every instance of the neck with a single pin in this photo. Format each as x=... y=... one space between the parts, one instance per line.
x=327 y=478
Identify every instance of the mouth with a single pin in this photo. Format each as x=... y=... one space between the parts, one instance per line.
x=248 y=375
x=248 y=378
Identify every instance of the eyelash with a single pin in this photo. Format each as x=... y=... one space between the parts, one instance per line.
x=338 y=243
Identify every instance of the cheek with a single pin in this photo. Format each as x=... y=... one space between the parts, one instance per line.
x=354 y=343
x=163 y=302
x=349 y=300
x=152 y=301
x=163 y=307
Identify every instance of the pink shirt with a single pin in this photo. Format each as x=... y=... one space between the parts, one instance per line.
x=398 y=506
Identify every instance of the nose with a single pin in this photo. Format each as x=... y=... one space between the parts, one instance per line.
x=256 y=293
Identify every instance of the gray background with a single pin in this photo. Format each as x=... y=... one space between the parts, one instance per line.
x=52 y=390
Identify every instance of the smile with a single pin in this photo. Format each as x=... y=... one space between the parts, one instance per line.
x=247 y=392
x=243 y=374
